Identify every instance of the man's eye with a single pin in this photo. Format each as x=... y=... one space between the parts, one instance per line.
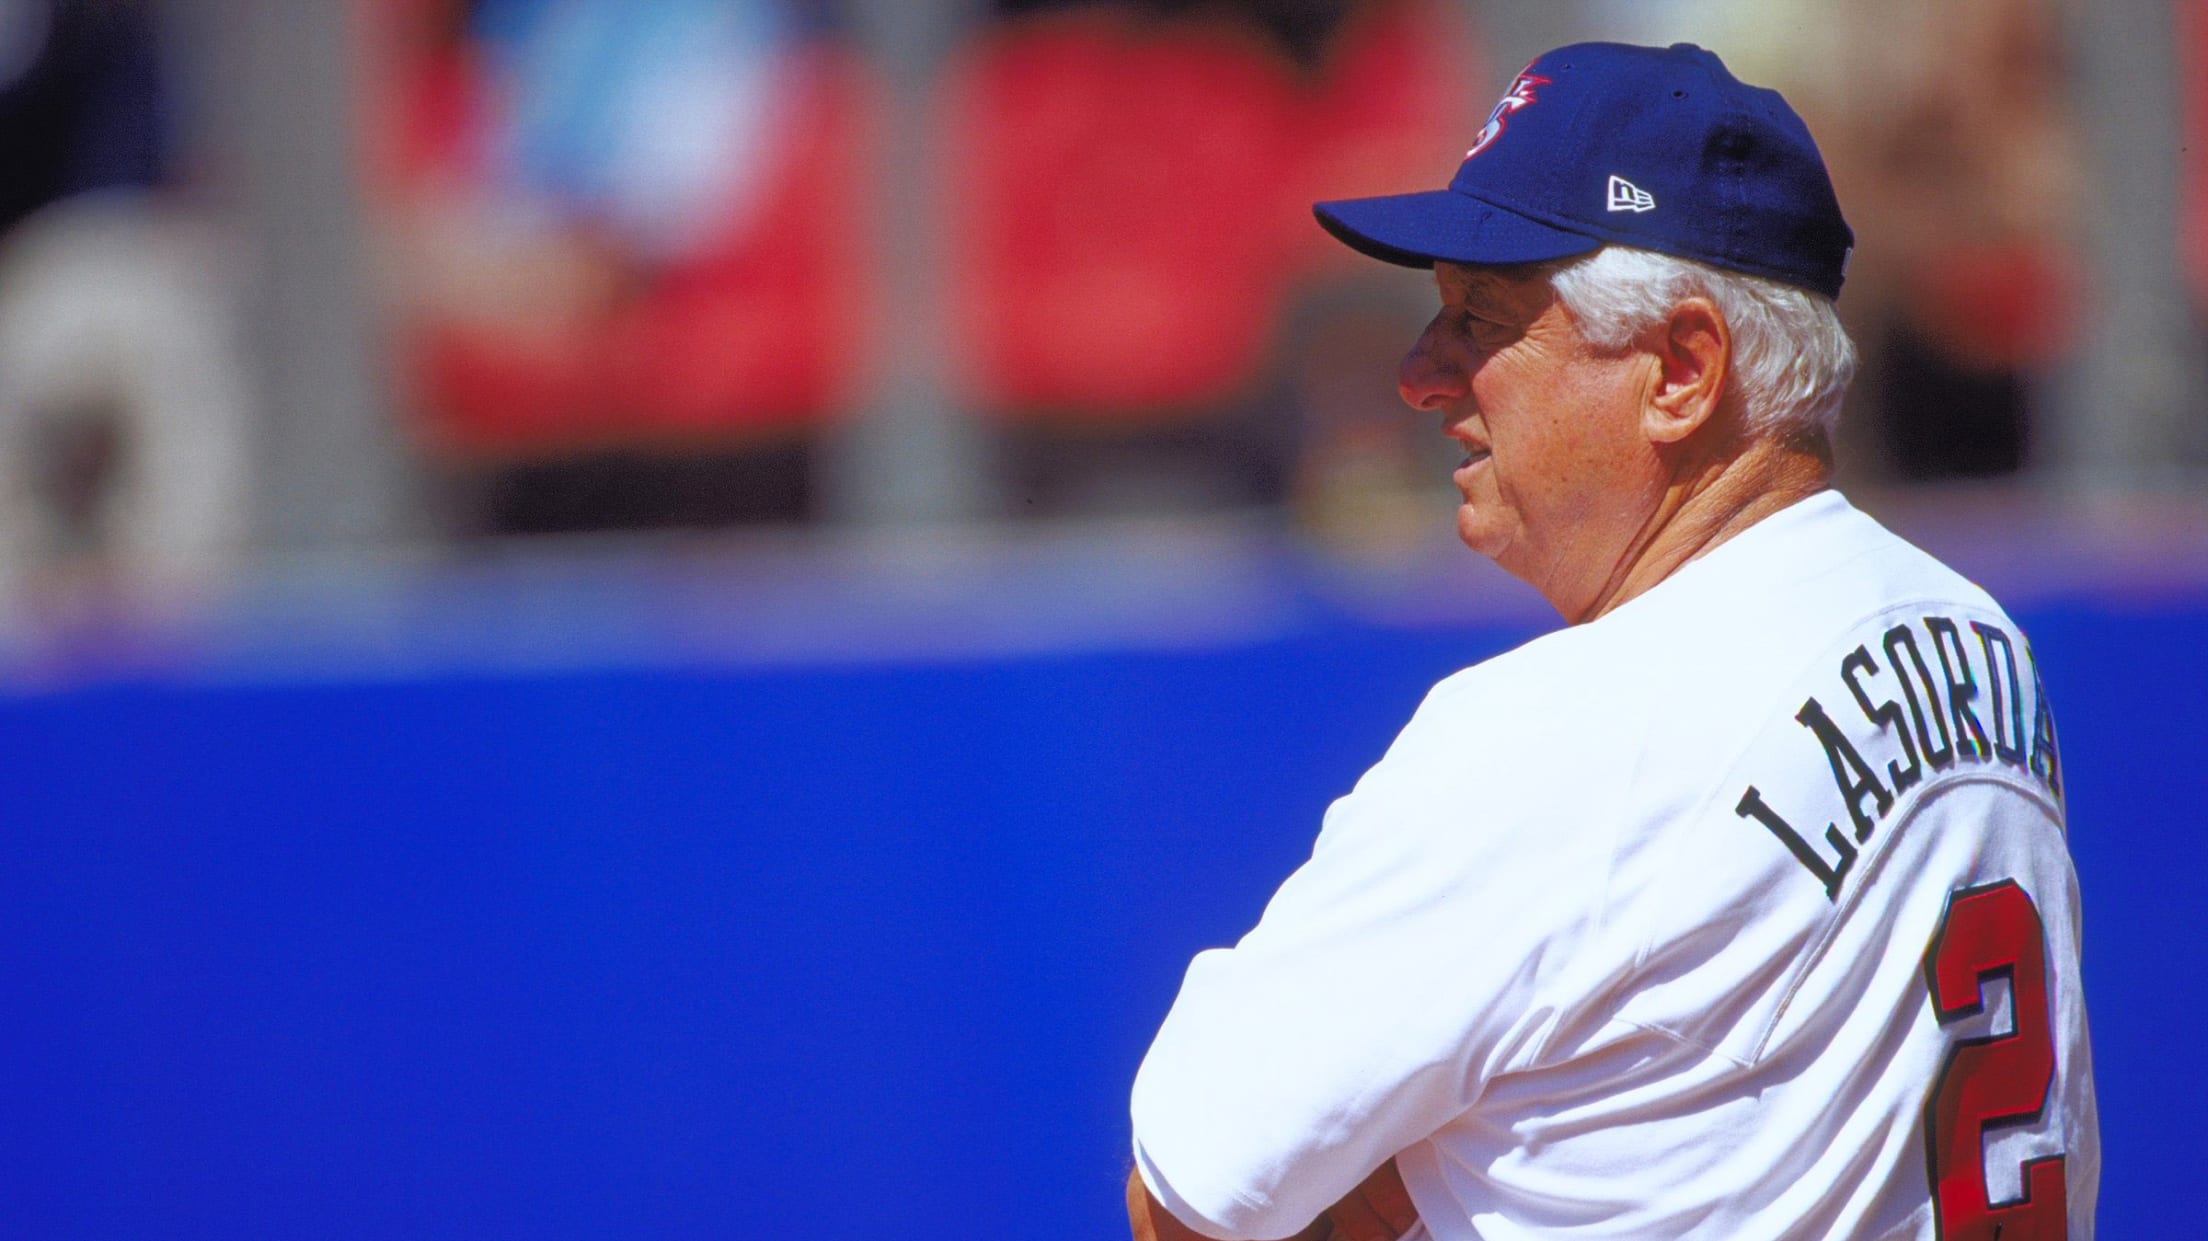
x=1484 y=329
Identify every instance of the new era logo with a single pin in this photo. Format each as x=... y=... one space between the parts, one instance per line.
x=1626 y=196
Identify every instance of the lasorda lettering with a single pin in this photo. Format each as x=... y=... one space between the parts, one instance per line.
x=2008 y=695
x=1932 y=727
x=1887 y=715
x=1932 y=715
x=1962 y=687
x=1849 y=771
x=2046 y=762
x=1752 y=806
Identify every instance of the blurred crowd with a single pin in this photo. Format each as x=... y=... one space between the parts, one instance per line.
x=630 y=267
x=617 y=320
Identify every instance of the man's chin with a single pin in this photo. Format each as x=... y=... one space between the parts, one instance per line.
x=1478 y=532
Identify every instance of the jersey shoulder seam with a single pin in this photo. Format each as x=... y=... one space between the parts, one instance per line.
x=1872 y=863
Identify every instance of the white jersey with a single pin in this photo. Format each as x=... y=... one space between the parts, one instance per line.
x=1744 y=911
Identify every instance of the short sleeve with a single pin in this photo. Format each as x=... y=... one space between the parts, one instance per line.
x=1390 y=978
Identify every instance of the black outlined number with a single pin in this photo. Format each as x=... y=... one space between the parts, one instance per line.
x=1997 y=1080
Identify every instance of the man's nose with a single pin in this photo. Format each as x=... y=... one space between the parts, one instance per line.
x=1429 y=378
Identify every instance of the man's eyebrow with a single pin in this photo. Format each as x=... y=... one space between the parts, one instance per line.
x=1481 y=282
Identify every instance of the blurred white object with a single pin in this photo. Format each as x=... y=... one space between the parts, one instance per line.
x=656 y=117
x=112 y=312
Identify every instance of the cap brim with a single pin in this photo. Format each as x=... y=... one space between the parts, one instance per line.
x=1414 y=230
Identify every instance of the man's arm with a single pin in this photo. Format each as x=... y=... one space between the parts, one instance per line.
x=1378 y=1210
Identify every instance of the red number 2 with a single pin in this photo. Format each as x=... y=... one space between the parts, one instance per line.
x=1996 y=1080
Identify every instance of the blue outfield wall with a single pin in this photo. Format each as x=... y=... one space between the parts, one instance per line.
x=858 y=951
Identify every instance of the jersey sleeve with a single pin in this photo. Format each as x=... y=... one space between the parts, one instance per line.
x=1390 y=978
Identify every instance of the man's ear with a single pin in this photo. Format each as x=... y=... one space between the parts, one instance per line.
x=1694 y=351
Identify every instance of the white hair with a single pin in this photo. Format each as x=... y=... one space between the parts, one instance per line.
x=1791 y=358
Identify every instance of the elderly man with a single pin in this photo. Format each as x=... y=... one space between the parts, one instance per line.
x=1740 y=908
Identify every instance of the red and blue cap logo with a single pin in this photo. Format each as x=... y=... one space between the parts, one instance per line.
x=1520 y=95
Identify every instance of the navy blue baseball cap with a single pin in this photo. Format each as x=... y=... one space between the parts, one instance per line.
x=1600 y=143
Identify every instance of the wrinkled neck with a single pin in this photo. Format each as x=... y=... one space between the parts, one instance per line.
x=1699 y=511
